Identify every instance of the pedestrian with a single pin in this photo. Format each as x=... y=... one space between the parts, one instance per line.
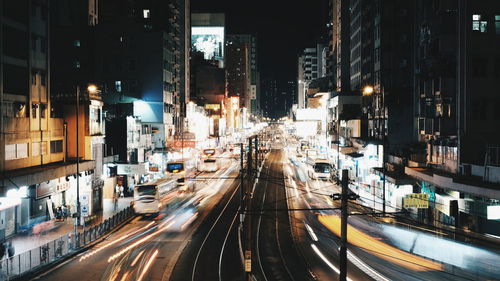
x=10 y=250
x=121 y=191
x=2 y=250
x=64 y=212
x=59 y=213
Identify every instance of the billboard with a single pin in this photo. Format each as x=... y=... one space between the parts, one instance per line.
x=209 y=40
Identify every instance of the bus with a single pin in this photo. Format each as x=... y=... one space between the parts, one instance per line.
x=149 y=198
x=209 y=162
x=321 y=169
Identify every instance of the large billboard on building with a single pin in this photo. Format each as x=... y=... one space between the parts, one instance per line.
x=209 y=40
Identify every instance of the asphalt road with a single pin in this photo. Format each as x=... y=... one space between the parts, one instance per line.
x=148 y=248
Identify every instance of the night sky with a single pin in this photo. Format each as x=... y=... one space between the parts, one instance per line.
x=283 y=29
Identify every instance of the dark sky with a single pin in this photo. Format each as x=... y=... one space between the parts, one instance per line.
x=283 y=28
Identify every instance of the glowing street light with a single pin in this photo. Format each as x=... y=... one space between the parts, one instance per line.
x=367 y=90
x=92 y=89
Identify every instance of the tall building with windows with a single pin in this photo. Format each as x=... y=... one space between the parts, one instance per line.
x=250 y=41
x=38 y=172
x=456 y=72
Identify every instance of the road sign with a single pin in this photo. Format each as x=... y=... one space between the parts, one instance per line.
x=85 y=211
x=84 y=204
x=248 y=261
x=416 y=200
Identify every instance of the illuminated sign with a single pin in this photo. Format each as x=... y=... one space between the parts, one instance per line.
x=309 y=114
x=416 y=200
x=209 y=40
x=175 y=167
x=181 y=144
x=493 y=212
x=212 y=106
x=131 y=169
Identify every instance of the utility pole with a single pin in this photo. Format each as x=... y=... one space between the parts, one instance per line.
x=77 y=218
x=248 y=222
x=343 y=226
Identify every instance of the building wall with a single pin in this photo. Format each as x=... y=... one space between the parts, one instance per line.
x=25 y=71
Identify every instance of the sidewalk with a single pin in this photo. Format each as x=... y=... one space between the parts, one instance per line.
x=23 y=242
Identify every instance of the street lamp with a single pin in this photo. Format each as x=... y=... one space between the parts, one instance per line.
x=91 y=89
x=367 y=90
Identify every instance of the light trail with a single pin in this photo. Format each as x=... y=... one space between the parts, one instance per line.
x=148 y=264
x=115 y=241
x=124 y=277
x=379 y=248
x=135 y=244
x=320 y=254
x=137 y=258
x=311 y=232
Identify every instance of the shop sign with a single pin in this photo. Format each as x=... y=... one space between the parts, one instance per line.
x=181 y=144
x=62 y=185
x=131 y=169
x=493 y=212
x=212 y=106
x=153 y=169
x=416 y=200
x=46 y=188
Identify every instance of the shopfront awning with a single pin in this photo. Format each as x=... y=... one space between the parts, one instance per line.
x=392 y=177
x=355 y=155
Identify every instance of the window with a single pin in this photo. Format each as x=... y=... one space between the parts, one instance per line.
x=146 y=14
x=118 y=86
x=77 y=64
x=56 y=146
x=34 y=108
x=76 y=43
x=10 y=151
x=43 y=110
x=497 y=24
x=478 y=24
x=16 y=151
x=35 y=148
x=43 y=79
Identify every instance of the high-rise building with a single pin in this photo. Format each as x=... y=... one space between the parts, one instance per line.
x=38 y=172
x=148 y=75
x=340 y=46
x=456 y=72
x=250 y=41
x=238 y=72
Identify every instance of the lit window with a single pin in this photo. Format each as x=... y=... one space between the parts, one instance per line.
x=478 y=24
x=146 y=13
x=76 y=43
x=497 y=24
x=77 y=64
x=118 y=86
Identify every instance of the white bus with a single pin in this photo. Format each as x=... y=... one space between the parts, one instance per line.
x=209 y=162
x=149 y=198
x=321 y=169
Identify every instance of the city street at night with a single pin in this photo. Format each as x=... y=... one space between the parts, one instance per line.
x=222 y=140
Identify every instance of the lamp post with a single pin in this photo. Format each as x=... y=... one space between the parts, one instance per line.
x=368 y=91
x=91 y=89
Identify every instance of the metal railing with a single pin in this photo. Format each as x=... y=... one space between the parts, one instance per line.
x=55 y=250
